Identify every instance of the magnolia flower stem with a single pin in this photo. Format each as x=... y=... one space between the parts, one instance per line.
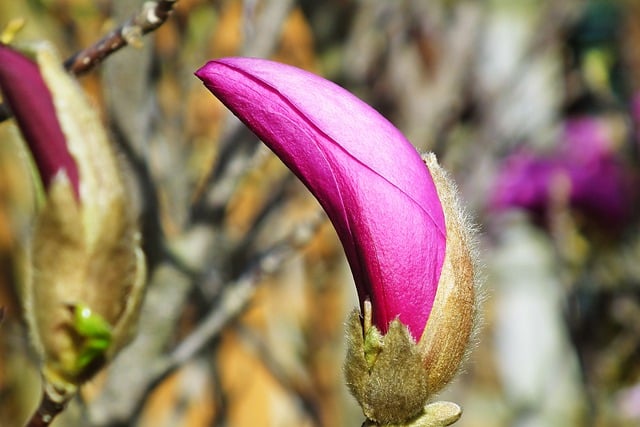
x=48 y=409
x=151 y=16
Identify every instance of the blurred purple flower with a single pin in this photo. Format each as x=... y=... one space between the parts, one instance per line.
x=584 y=171
x=370 y=180
x=27 y=95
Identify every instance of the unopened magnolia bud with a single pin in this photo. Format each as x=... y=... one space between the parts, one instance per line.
x=85 y=270
x=394 y=389
x=403 y=234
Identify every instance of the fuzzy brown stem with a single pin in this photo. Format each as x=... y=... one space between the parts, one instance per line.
x=48 y=409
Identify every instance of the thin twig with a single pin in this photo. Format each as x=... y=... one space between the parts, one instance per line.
x=151 y=16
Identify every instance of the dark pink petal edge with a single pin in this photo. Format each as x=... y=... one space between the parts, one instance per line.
x=26 y=93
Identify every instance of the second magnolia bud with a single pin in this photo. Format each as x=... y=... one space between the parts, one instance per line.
x=85 y=271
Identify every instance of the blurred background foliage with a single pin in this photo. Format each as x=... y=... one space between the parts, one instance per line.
x=534 y=107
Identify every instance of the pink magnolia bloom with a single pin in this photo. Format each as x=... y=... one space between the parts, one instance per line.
x=585 y=161
x=367 y=176
x=25 y=91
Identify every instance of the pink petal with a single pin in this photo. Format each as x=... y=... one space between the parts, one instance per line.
x=26 y=93
x=370 y=180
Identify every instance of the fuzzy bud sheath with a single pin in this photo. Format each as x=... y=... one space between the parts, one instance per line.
x=397 y=219
x=85 y=272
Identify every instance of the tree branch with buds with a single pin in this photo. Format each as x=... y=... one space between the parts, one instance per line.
x=149 y=18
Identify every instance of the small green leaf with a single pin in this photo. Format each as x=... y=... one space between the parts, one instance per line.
x=89 y=324
x=96 y=334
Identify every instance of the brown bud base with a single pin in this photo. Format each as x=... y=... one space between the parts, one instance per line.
x=392 y=376
x=392 y=388
x=387 y=376
x=436 y=414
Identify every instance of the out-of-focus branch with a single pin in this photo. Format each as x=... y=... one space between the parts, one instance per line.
x=234 y=163
x=201 y=248
x=109 y=410
x=236 y=296
x=151 y=16
x=302 y=389
x=262 y=33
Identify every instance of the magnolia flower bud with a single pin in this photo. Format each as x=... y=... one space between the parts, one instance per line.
x=85 y=270
x=398 y=220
